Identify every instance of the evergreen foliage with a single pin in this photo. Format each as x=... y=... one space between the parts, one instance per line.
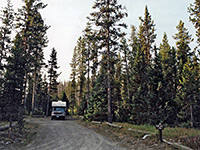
x=81 y=72
x=73 y=84
x=143 y=84
x=97 y=107
x=107 y=19
x=169 y=70
x=65 y=99
x=7 y=20
x=194 y=11
x=183 y=69
x=53 y=75
x=14 y=80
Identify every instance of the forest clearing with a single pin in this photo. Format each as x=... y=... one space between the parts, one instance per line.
x=126 y=86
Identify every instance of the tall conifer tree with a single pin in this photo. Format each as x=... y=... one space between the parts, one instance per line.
x=53 y=76
x=107 y=19
x=183 y=63
x=194 y=11
x=33 y=31
x=81 y=72
x=169 y=69
x=147 y=35
x=141 y=70
x=14 y=77
x=73 y=84
x=7 y=20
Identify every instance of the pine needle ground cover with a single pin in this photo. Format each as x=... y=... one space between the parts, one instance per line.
x=133 y=139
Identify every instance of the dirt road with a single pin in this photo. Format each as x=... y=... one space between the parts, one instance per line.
x=68 y=135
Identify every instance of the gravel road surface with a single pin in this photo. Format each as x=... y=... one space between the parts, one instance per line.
x=68 y=135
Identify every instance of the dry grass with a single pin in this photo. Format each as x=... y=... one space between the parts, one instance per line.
x=187 y=137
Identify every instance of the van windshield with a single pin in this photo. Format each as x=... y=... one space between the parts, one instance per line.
x=59 y=109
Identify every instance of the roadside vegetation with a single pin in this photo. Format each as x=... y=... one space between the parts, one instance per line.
x=185 y=136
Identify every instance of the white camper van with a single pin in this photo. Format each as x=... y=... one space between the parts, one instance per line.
x=58 y=110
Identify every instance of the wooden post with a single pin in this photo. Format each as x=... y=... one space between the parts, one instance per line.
x=160 y=127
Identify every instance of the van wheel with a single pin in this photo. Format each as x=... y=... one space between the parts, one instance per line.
x=51 y=118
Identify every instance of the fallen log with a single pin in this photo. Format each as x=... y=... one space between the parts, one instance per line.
x=6 y=127
x=145 y=136
x=177 y=146
x=3 y=128
x=141 y=131
x=113 y=125
x=96 y=122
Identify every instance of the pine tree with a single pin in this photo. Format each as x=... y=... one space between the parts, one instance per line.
x=134 y=46
x=183 y=50
x=183 y=63
x=81 y=72
x=126 y=79
x=194 y=11
x=107 y=19
x=91 y=53
x=44 y=94
x=168 y=60
x=147 y=35
x=157 y=101
x=73 y=84
x=134 y=43
x=186 y=93
x=65 y=99
x=7 y=20
x=53 y=76
x=118 y=114
x=14 y=77
x=142 y=67
x=139 y=106
x=196 y=97
x=97 y=107
x=40 y=41
x=95 y=59
x=33 y=31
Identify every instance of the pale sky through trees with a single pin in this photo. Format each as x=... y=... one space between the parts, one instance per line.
x=67 y=19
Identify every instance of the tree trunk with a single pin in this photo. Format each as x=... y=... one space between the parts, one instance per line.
x=108 y=69
x=34 y=92
x=47 y=109
x=24 y=91
x=88 y=84
x=191 y=116
x=127 y=76
x=10 y=126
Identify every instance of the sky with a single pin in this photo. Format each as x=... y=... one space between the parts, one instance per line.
x=67 y=19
